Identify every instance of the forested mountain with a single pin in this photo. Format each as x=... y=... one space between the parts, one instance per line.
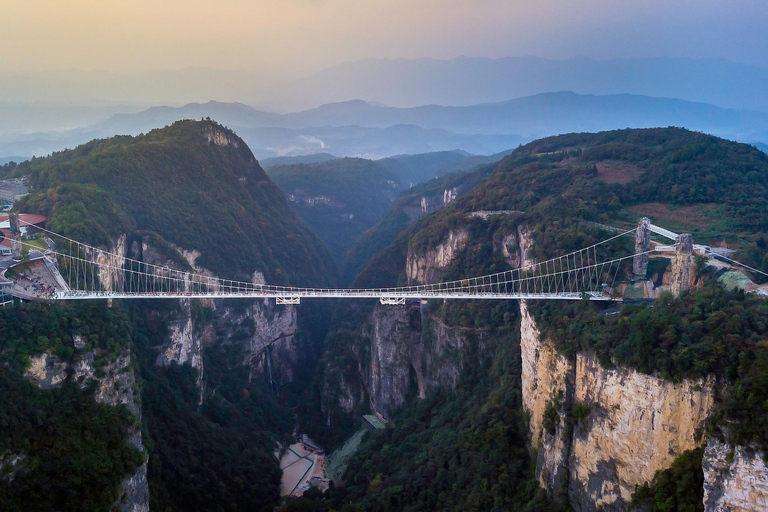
x=339 y=199
x=169 y=404
x=410 y=206
x=413 y=169
x=361 y=129
x=195 y=184
x=302 y=159
x=159 y=404
x=450 y=381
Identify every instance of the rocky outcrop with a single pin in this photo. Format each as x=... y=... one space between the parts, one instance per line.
x=115 y=384
x=546 y=376
x=12 y=464
x=637 y=425
x=46 y=370
x=110 y=264
x=516 y=247
x=395 y=350
x=219 y=136
x=735 y=478
x=429 y=267
x=185 y=343
x=274 y=327
x=613 y=428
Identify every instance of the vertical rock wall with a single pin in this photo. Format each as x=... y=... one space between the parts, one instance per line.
x=395 y=334
x=115 y=384
x=637 y=425
x=634 y=424
x=546 y=380
x=735 y=478
x=429 y=267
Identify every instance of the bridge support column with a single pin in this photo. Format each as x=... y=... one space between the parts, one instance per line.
x=642 y=246
x=682 y=264
x=13 y=220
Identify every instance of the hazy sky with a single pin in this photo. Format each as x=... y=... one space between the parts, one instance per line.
x=302 y=36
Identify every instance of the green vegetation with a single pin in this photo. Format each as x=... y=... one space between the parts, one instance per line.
x=178 y=183
x=338 y=199
x=677 y=489
x=403 y=212
x=210 y=456
x=415 y=169
x=710 y=330
x=552 y=185
x=74 y=450
x=455 y=450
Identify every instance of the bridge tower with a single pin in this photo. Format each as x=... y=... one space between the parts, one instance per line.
x=682 y=264
x=13 y=219
x=642 y=246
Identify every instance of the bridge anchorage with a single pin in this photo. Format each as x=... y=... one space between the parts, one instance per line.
x=71 y=270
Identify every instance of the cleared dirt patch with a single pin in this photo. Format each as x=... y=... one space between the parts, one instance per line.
x=298 y=466
x=617 y=171
x=694 y=216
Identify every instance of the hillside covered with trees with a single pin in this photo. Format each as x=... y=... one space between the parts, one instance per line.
x=684 y=180
x=196 y=184
x=339 y=199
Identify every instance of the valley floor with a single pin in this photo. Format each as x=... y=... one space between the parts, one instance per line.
x=299 y=466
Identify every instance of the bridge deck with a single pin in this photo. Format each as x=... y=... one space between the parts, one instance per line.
x=337 y=294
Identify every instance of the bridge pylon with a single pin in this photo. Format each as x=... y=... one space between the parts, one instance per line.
x=642 y=246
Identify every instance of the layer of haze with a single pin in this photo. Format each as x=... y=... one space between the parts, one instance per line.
x=291 y=38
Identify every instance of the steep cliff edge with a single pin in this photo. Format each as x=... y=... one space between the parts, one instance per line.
x=430 y=266
x=192 y=196
x=735 y=478
x=613 y=394
x=115 y=384
x=602 y=432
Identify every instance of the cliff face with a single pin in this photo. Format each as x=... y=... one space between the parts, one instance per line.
x=735 y=478
x=429 y=267
x=268 y=335
x=625 y=426
x=637 y=425
x=546 y=376
x=115 y=384
x=395 y=349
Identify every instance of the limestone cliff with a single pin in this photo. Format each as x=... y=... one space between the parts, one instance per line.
x=735 y=478
x=395 y=339
x=613 y=428
x=267 y=333
x=115 y=384
x=429 y=267
x=637 y=424
x=546 y=376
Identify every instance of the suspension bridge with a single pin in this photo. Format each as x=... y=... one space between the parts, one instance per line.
x=72 y=270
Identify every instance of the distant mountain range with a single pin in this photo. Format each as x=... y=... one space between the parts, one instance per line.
x=405 y=83
x=314 y=158
x=359 y=128
x=472 y=80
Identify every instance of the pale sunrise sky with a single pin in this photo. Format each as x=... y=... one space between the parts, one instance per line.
x=295 y=37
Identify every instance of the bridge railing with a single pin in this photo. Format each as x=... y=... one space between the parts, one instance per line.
x=94 y=272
